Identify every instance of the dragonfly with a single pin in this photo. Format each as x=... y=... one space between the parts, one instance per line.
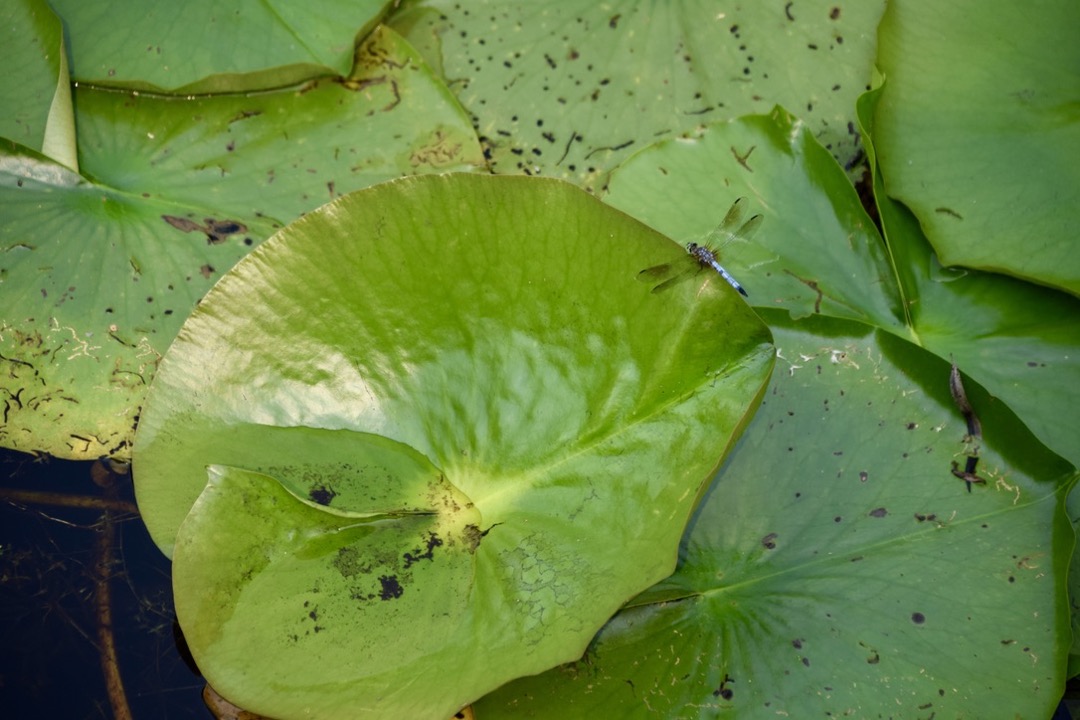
x=706 y=254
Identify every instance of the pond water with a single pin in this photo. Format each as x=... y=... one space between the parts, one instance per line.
x=50 y=600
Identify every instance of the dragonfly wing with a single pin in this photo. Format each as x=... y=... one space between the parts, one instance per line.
x=750 y=227
x=734 y=215
x=726 y=231
x=672 y=281
x=657 y=272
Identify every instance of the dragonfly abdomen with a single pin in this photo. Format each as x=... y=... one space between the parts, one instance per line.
x=707 y=257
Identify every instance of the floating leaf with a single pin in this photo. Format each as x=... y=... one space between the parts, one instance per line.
x=496 y=327
x=204 y=46
x=978 y=131
x=817 y=251
x=570 y=89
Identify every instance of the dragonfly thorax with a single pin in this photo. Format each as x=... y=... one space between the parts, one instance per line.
x=702 y=254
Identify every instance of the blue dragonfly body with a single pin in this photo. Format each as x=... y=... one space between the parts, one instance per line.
x=706 y=254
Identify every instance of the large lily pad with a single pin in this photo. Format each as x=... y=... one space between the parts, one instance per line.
x=201 y=46
x=978 y=131
x=839 y=568
x=570 y=89
x=99 y=274
x=562 y=420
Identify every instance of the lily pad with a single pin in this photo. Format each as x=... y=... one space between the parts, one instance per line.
x=571 y=89
x=978 y=131
x=204 y=46
x=35 y=89
x=839 y=567
x=99 y=274
x=818 y=253
x=496 y=327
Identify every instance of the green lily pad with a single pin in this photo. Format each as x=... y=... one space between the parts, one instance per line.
x=204 y=46
x=340 y=585
x=978 y=131
x=35 y=89
x=817 y=251
x=98 y=275
x=495 y=326
x=570 y=90
x=839 y=568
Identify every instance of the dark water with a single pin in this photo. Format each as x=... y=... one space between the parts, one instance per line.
x=50 y=664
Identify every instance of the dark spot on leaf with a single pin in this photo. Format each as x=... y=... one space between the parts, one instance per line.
x=433 y=541
x=391 y=588
x=724 y=691
x=797 y=643
x=322 y=495
x=1012 y=579
x=834 y=14
x=217 y=231
x=769 y=541
x=879 y=512
x=948 y=211
x=918 y=618
x=873 y=659
x=787 y=11
x=837 y=519
x=863 y=476
x=806 y=661
x=472 y=535
x=181 y=223
x=614 y=21
x=911 y=426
